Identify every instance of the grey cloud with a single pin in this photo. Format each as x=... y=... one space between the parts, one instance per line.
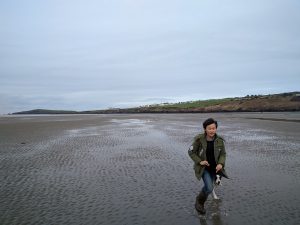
x=97 y=54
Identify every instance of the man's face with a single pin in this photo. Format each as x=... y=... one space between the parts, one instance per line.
x=211 y=130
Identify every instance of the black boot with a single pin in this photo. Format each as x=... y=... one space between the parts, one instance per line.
x=199 y=205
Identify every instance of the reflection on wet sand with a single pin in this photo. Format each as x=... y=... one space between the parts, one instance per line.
x=214 y=214
x=134 y=169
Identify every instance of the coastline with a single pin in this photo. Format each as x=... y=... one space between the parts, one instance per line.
x=255 y=103
x=134 y=169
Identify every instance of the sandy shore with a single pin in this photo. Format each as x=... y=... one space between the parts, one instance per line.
x=134 y=169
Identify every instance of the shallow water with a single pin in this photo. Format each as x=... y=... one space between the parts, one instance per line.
x=134 y=169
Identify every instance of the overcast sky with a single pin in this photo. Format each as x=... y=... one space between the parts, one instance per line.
x=95 y=54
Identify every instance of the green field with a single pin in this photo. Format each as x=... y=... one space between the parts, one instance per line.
x=192 y=104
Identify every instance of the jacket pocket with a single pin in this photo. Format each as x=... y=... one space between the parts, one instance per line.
x=197 y=168
x=219 y=147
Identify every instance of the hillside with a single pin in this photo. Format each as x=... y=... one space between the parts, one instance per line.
x=254 y=103
x=47 y=111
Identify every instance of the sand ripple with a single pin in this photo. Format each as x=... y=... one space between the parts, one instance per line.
x=134 y=169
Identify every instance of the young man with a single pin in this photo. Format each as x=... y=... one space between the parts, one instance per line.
x=209 y=155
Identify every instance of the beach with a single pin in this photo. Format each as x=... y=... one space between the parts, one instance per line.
x=126 y=169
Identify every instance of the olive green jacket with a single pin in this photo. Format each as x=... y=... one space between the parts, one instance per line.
x=197 y=152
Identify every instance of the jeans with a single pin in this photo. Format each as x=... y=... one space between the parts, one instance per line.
x=208 y=179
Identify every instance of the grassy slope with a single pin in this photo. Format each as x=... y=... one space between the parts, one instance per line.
x=193 y=104
x=277 y=102
x=255 y=103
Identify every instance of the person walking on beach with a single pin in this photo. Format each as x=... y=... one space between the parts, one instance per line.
x=209 y=155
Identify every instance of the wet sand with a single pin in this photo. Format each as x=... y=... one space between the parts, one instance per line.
x=134 y=169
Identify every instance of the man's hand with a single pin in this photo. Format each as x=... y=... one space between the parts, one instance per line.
x=219 y=167
x=204 y=163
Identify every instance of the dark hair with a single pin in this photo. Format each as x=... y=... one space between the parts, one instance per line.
x=209 y=121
